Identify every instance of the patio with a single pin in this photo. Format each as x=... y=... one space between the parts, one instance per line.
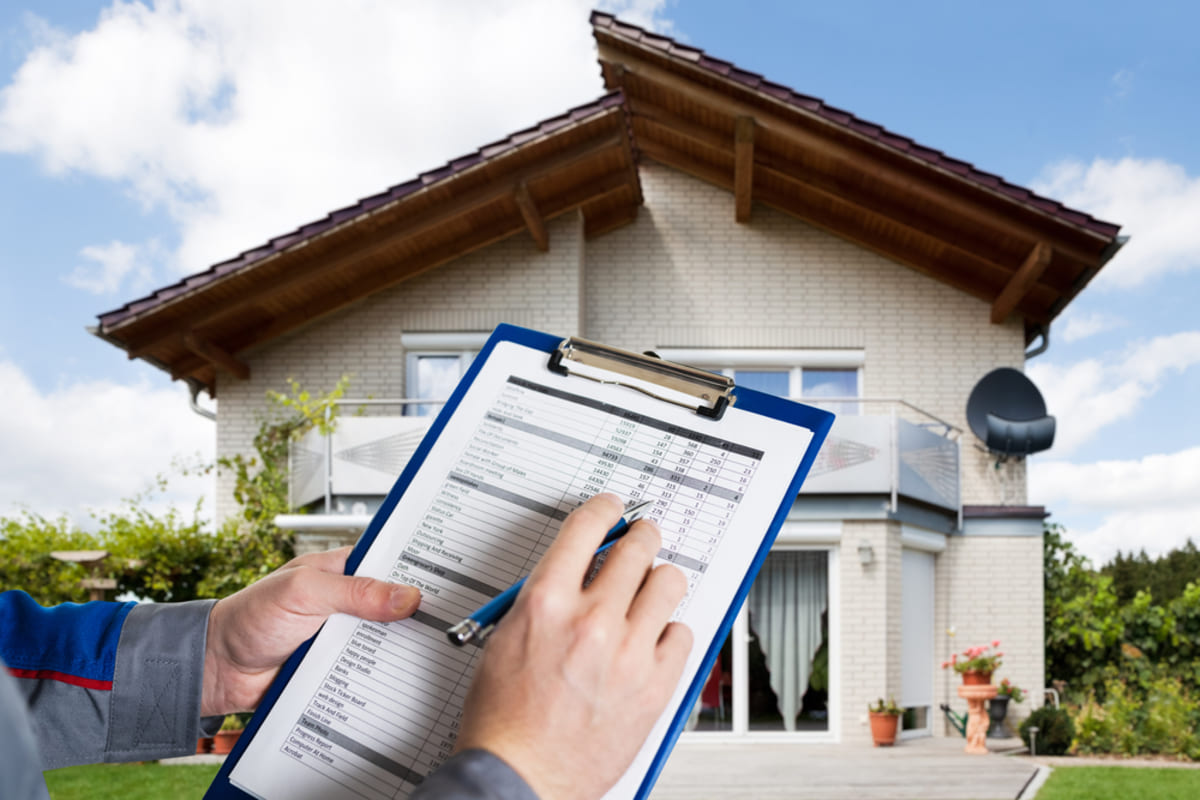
x=920 y=769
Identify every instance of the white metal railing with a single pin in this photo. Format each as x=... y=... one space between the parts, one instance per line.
x=899 y=450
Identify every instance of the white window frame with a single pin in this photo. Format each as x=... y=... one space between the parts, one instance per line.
x=794 y=362
x=465 y=345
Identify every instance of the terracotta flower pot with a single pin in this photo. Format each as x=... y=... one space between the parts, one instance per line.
x=973 y=678
x=224 y=740
x=883 y=728
x=204 y=744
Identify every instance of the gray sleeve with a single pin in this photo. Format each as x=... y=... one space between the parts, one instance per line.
x=474 y=775
x=20 y=766
x=153 y=708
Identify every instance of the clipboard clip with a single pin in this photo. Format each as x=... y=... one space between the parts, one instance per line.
x=711 y=393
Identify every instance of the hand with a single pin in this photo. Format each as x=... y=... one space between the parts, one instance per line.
x=252 y=632
x=573 y=678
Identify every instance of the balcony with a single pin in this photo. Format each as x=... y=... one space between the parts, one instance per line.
x=878 y=447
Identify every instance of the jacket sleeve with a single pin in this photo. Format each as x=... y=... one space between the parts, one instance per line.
x=474 y=775
x=107 y=681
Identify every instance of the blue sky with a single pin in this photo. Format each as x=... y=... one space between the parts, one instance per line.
x=142 y=142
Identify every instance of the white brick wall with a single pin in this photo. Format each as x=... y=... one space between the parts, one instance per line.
x=511 y=281
x=988 y=588
x=686 y=275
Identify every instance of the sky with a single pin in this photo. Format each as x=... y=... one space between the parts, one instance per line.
x=144 y=141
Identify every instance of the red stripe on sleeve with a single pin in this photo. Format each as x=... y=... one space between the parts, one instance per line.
x=51 y=675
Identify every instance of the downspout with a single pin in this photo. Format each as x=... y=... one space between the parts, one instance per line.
x=1044 y=332
x=194 y=388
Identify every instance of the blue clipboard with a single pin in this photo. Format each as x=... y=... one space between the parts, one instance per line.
x=716 y=395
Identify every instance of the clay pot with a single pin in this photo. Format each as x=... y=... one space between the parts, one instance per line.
x=976 y=678
x=883 y=728
x=224 y=741
x=203 y=745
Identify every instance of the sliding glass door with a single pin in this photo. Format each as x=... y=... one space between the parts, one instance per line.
x=778 y=680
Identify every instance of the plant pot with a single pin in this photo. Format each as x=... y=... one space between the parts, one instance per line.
x=997 y=711
x=204 y=744
x=976 y=678
x=883 y=728
x=224 y=741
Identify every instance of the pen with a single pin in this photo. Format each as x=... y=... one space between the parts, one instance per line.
x=479 y=625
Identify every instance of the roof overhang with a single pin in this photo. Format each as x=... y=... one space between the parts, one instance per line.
x=1023 y=254
x=582 y=160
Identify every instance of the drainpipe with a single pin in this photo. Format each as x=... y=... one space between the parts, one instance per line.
x=194 y=391
x=1044 y=332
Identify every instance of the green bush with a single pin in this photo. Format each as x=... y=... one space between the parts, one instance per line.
x=1055 y=730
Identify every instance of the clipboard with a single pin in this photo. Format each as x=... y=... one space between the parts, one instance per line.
x=658 y=401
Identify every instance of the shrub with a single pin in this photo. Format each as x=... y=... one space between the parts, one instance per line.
x=1055 y=730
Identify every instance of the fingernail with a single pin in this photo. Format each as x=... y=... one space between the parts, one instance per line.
x=405 y=597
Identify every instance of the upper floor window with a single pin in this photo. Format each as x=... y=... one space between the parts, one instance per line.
x=798 y=374
x=434 y=363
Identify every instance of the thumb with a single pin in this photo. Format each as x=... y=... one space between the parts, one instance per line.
x=366 y=598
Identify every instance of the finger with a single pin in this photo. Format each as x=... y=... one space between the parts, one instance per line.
x=325 y=561
x=331 y=592
x=569 y=556
x=625 y=566
x=674 y=647
x=654 y=604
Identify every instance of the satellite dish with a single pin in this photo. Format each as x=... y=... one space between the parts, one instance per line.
x=1007 y=412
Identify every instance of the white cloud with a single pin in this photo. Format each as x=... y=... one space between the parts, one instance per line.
x=1081 y=326
x=1122 y=82
x=1088 y=395
x=111 y=264
x=242 y=120
x=1156 y=202
x=1150 y=503
x=87 y=445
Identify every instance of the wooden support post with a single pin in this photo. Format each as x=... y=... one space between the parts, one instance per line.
x=533 y=218
x=743 y=168
x=1021 y=282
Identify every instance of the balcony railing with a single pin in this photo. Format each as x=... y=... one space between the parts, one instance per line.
x=896 y=450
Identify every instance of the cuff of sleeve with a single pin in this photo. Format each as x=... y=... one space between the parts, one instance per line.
x=475 y=774
x=158 y=681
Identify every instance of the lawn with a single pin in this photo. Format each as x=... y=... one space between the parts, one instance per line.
x=131 y=781
x=1101 y=783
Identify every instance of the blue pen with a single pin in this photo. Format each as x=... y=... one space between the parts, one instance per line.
x=477 y=626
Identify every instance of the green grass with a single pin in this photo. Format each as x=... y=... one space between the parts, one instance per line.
x=131 y=781
x=1126 y=783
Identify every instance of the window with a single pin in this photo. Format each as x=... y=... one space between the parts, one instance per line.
x=434 y=364
x=806 y=374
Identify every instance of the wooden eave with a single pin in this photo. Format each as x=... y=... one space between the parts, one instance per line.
x=1022 y=254
x=582 y=161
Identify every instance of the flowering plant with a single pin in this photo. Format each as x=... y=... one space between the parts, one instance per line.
x=976 y=659
x=880 y=707
x=1011 y=690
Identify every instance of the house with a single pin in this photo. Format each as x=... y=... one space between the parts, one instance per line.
x=728 y=222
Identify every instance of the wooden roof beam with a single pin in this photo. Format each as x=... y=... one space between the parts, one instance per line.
x=1022 y=281
x=533 y=219
x=217 y=356
x=743 y=168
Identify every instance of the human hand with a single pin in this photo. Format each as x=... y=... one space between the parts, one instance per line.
x=573 y=678
x=252 y=632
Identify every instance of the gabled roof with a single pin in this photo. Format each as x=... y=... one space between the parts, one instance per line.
x=1024 y=254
